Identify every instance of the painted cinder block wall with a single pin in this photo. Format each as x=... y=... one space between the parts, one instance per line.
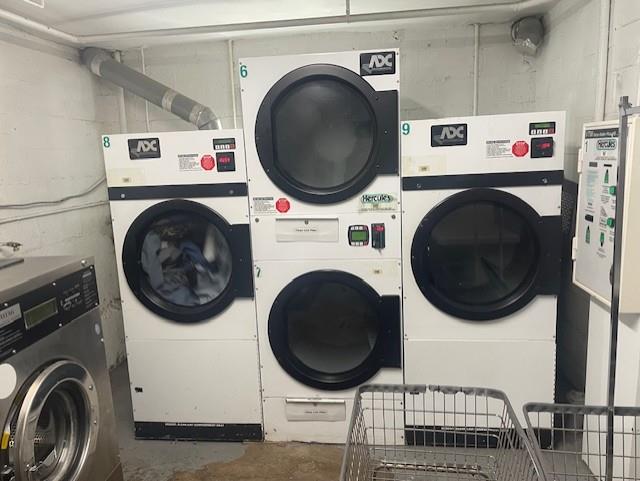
x=52 y=112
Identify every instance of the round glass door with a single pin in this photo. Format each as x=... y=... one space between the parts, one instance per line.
x=476 y=255
x=55 y=426
x=178 y=260
x=327 y=330
x=323 y=133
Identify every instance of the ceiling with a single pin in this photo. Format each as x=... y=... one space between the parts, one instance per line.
x=105 y=17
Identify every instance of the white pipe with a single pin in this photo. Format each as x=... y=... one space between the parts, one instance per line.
x=476 y=65
x=40 y=28
x=638 y=95
x=603 y=60
x=122 y=112
x=232 y=80
x=35 y=215
x=146 y=103
x=514 y=9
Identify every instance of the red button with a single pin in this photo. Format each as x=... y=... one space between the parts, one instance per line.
x=520 y=148
x=207 y=162
x=283 y=205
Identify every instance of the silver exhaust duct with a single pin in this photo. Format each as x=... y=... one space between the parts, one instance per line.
x=101 y=63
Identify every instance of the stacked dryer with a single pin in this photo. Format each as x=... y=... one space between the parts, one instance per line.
x=323 y=159
x=181 y=232
x=481 y=239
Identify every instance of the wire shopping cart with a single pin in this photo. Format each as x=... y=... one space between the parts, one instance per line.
x=570 y=441
x=421 y=433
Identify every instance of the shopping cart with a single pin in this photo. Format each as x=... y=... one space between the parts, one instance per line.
x=419 y=433
x=570 y=441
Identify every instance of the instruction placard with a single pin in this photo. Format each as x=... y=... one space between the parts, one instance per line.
x=596 y=215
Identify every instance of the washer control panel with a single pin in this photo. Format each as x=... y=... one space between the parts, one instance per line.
x=36 y=314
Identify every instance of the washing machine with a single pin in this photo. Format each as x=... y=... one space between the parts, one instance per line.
x=321 y=132
x=481 y=251
x=56 y=409
x=181 y=231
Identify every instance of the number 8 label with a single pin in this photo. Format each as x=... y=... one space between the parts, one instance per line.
x=106 y=142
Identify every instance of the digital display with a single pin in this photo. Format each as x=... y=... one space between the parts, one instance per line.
x=40 y=313
x=542 y=128
x=359 y=235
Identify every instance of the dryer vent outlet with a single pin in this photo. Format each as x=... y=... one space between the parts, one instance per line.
x=527 y=35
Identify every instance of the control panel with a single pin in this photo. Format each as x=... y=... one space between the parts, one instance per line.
x=360 y=235
x=34 y=315
x=593 y=244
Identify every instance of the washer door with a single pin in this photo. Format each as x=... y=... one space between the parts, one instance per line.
x=331 y=330
x=184 y=262
x=55 y=425
x=483 y=254
x=323 y=133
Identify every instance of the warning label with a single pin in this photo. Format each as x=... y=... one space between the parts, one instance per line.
x=498 y=148
x=188 y=162
x=264 y=205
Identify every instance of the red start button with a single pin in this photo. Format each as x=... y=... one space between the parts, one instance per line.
x=283 y=205
x=207 y=162
x=520 y=148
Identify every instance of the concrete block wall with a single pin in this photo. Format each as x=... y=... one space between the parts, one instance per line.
x=436 y=70
x=52 y=112
x=624 y=55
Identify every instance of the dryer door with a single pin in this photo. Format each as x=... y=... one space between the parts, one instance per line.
x=54 y=427
x=483 y=254
x=323 y=133
x=184 y=262
x=331 y=330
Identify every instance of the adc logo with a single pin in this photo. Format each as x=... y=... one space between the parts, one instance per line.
x=379 y=63
x=448 y=135
x=144 y=148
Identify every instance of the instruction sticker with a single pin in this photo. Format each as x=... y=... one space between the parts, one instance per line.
x=189 y=162
x=499 y=148
x=264 y=205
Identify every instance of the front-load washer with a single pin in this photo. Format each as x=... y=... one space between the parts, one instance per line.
x=180 y=221
x=481 y=251
x=325 y=327
x=56 y=409
x=322 y=132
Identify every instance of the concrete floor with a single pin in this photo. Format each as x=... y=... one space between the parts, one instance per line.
x=192 y=461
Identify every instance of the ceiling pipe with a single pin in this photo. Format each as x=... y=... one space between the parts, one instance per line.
x=103 y=65
x=514 y=9
x=603 y=59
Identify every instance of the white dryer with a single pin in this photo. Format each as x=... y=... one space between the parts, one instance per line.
x=322 y=132
x=326 y=326
x=481 y=251
x=181 y=231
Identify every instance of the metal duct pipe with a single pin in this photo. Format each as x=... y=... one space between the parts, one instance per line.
x=101 y=63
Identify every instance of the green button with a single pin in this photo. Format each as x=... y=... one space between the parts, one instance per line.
x=611 y=222
x=612 y=189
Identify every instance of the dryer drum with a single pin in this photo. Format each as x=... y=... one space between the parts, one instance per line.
x=331 y=330
x=482 y=254
x=184 y=262
x=323 y=133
